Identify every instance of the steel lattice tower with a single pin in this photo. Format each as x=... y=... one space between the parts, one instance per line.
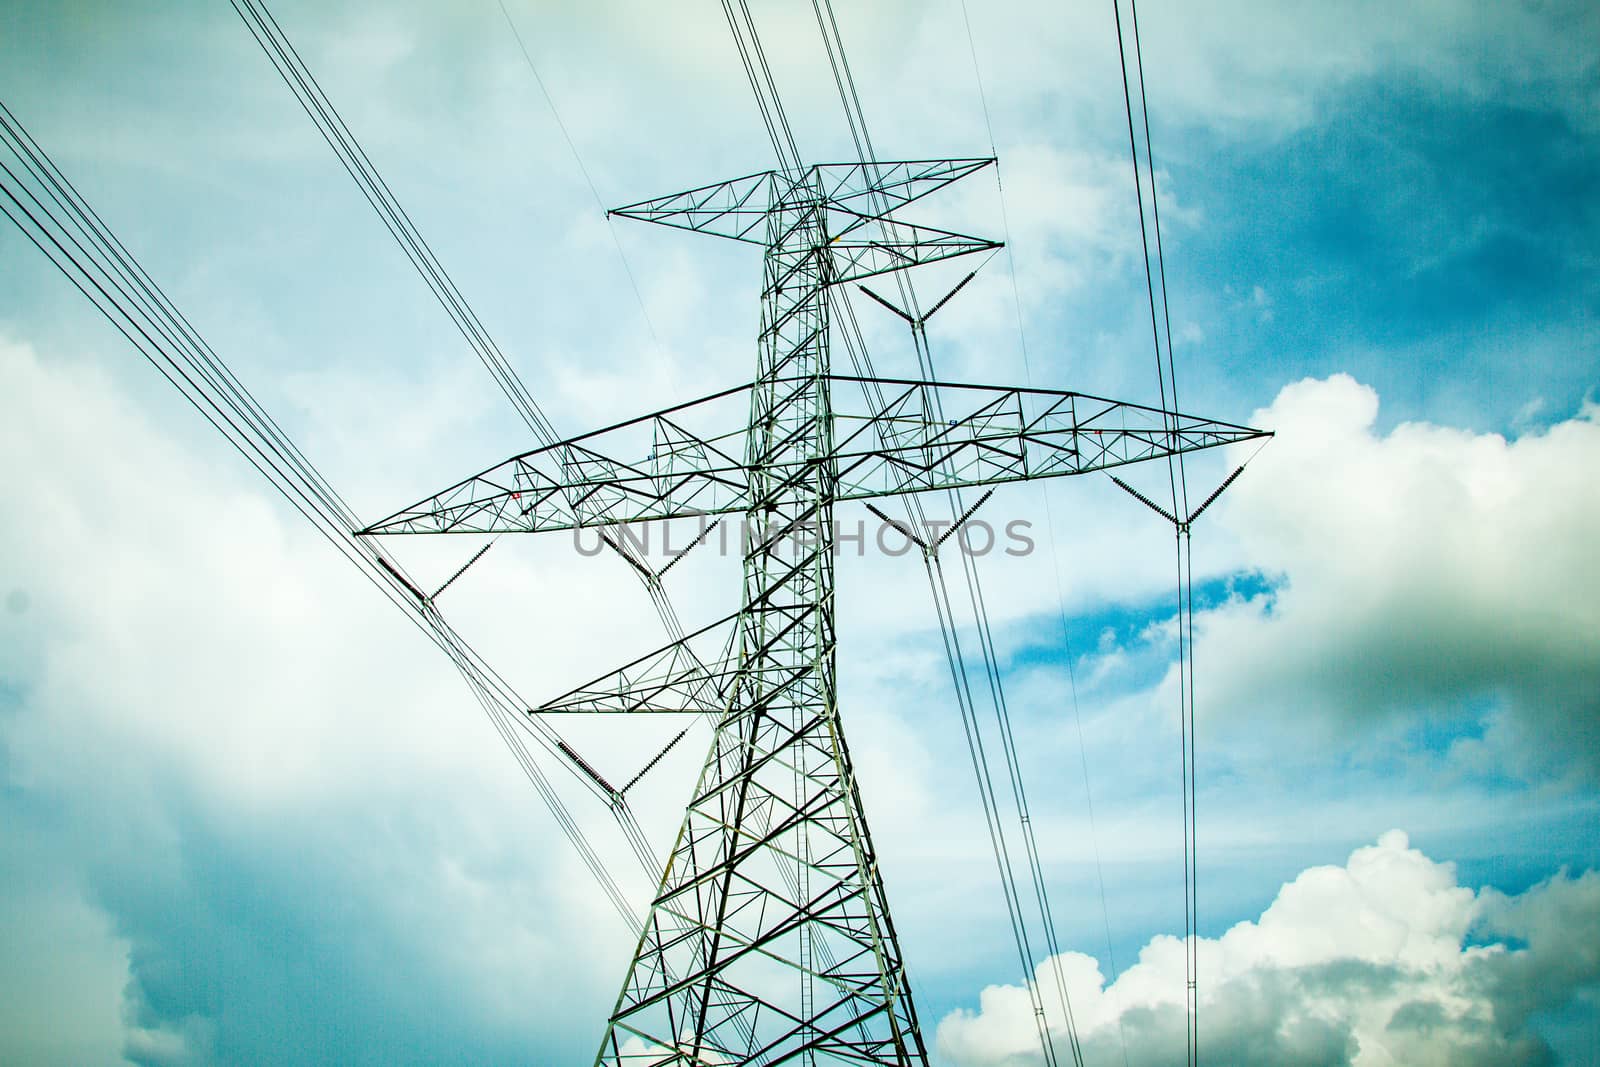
x=769 y=939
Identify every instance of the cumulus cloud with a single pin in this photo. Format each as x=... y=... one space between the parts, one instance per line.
x=1384 y=960
x=1423 y=571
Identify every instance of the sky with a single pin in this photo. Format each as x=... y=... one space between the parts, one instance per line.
x=249 y=816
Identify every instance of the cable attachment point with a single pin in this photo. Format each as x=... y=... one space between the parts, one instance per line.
x=657 y=759
x=916 y=322
x=962 y=521
x=1147 y=502
x=612 y=794
x=475 y=557
x=904 y=529
x=422 y=598
x=1216 y=492
x=1184 y=524
x=705 y=535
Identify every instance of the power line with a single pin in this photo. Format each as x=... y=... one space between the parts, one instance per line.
x=572 y=147
x=55 y=218
x=857 y=122
x=1178 y=484
x=308 y=92
x=944 y=608
x=291 y=68
x=1055 y=559
x=297 y=76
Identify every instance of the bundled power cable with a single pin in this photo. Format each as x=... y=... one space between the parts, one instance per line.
x=297 y=76
x=50 y=212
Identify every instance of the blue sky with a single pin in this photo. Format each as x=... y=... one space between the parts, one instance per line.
x=248 y=817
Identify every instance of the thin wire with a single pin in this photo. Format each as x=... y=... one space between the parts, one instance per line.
x=572 y=147
x=308 y=92
x=1161 y=259
x=1055 y=559
x=772 y=86
x=856 y=348
x=286 y=60
x=1066 y=635
x=292 y=69
x=1187 y=613
x=201 y=361
x=972 y=731
x=980 y=767
x=1178 y=485
x=107 y=304
x=856 y=119
x=790 y=161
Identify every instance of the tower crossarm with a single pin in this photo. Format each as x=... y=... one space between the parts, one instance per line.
x=696 y=675
x=693 y=675
x=856 y=193
x=920 y=436
x=683 y=460
x=736 y=209
x=905 y=245
x=518 y=497
x=938 y=435
x=877 y=188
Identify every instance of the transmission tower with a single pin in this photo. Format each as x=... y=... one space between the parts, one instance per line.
x=769 y=938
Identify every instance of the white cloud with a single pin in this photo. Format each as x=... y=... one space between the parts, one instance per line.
x=1425 y=571
x=1385 y=960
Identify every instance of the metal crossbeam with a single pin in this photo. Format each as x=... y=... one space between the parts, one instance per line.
x=672 y=679
x=991 y=434
x=908 y=246
x=738 y=209
x=884 y=187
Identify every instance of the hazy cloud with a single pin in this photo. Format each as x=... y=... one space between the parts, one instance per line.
x=259 y=810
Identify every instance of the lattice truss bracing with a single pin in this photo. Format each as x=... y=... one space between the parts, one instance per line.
x=657 y=467
x=769 y=939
